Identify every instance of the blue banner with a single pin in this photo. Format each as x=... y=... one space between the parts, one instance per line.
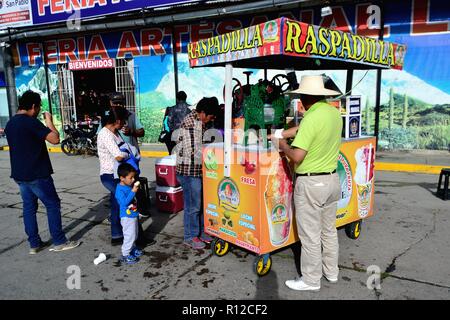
x=51 y=11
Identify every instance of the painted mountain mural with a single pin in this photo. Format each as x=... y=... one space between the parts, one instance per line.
x=422 y=122
x=414 y=114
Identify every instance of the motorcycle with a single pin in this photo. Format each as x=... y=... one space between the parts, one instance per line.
x=78 y=141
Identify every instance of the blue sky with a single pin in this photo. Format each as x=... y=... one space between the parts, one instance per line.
x=428 y=57
x=152 y=69
x=24 y=75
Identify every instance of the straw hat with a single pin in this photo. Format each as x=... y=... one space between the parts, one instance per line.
x=314 y=86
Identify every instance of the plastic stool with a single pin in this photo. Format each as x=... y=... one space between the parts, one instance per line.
x=446 y=173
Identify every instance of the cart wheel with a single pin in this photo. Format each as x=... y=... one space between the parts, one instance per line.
x=262 y=265
x=220 y=247
x=353 y=230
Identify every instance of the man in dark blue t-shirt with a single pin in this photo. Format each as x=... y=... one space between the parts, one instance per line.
x=31 y=169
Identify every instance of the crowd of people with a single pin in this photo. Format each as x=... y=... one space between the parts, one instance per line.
x=314 y=151
x=119 y=157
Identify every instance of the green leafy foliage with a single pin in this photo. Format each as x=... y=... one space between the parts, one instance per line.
x=399 y=138
x=415 y=124
x=151 y=114
x=435 y=137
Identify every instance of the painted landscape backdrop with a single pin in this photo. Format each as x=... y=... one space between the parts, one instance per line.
x=414 y=114
x=415 y=102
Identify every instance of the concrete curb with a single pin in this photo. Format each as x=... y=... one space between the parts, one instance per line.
x=407 y=167
x=379 y=166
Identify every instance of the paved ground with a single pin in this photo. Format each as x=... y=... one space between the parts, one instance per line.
x=430 y=157
x=407 y=238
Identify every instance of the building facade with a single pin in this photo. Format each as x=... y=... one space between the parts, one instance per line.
x=75 y=71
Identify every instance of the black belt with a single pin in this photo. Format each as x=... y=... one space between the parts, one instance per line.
x=315 y=174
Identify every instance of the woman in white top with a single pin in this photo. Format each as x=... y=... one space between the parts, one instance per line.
x=108 y=140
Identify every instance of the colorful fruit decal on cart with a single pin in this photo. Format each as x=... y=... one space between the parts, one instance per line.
x=210 y=160
x=344 y=172
x=250 y=166
x=229 y=199
x=356 y=180
x=278 y=200
x=365 y=157
x=250 y=238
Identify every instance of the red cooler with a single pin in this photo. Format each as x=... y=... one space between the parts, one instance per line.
x=165 y=169
x=169 y=199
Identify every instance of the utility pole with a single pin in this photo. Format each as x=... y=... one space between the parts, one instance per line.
x=175 y=60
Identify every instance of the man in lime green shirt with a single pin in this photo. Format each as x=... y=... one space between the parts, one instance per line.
x=315 y=152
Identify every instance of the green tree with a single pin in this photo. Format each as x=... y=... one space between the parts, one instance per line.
x=367 y=116
x=405 y=112
x=391 y=108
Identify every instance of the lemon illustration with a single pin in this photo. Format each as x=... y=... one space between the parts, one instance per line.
x=207 y=165
x=213 y=165
x=211 y=160
x=227 y=214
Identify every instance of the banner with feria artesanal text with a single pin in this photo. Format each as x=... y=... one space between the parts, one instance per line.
x=288 y=37
x=51 y=11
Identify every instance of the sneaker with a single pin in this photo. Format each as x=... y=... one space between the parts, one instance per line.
x=37 y=249
x=129 y=259
x=206 y=238
x=65 y=246
x=299 y=285
x=331 y=280
x=195 y=243
x=117 y=241
x=136 y=253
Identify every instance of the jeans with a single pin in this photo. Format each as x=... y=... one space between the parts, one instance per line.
x=110 y=183
x=44 y=190
x=193 y=209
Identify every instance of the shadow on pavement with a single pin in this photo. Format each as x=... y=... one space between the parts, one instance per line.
x=267 y=287
x=159 y=219
x=428 y=186
x=95 y=216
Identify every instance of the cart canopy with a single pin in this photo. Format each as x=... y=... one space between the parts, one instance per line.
x=278 y=44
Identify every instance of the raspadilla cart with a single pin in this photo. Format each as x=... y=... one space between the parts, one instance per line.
x=248 y=188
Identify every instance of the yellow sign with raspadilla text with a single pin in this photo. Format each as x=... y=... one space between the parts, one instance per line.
x=304 y=39
x=285 y=38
